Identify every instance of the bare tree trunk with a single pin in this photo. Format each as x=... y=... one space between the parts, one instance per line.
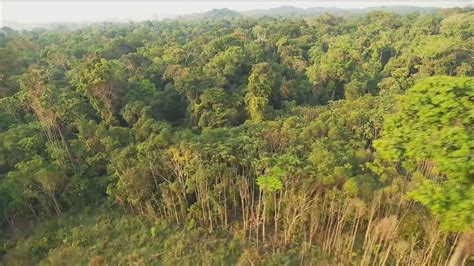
x=65 y=142
x=464 y=249
x=56 y=204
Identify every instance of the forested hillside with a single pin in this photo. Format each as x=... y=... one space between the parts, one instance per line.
x=234 y=140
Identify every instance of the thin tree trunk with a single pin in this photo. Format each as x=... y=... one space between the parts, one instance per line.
x=56 y=204
x=65 y=142
x=463 y=249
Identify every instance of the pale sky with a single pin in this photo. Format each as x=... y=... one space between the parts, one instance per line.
x=87 y=11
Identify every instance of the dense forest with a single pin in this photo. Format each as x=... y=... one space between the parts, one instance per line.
x=238 y=140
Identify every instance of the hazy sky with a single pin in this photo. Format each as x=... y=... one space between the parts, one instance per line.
x=72 y=11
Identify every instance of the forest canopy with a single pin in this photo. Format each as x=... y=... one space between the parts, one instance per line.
x=238 y=140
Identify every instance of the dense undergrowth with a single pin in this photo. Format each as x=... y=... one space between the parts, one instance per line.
x=105 y=237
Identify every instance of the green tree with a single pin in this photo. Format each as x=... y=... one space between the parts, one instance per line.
x=263 y=83
x=432 y=133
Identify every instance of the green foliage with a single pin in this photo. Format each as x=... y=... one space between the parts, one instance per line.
x=433 y=124
x=265 y=140
x=271 y=182
x=212 y=108
x=263 y=82
x=452 y=201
